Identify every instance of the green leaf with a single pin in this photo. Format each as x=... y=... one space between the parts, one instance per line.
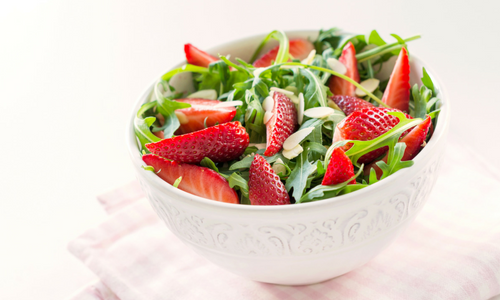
x=420 y=97
x=141 y=128
x=247 y=160
x=208 y=163
x=427 y=81
x=167 y=108
x=298 y=178
x=177 y=182
x=393 y=164
x=320 y=192
x=398 y=38
x=238 y=182
x=351 y=188
x=315 y=91
x=254 y=121
x=376 y=39
x=390 y=138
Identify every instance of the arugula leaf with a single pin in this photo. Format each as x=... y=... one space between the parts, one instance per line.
x=390 y=138
x=142 y=127
x=375 y=39
x=421 y=98
x=167 y=108
x=392 y=166
x=320 y=192
x=315 y=91
x=254 y=121
x=351 y=188
x=208 y=163
x=427 y=81
x=238 y=182
x=298 y=178
x=247 y=160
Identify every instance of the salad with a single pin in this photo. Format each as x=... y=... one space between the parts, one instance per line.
x=306 y=121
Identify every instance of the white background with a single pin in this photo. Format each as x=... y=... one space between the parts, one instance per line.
x=70 y=72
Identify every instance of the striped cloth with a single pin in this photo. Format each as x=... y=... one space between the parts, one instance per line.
x=451 y=251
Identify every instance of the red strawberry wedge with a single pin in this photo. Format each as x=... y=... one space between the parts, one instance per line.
x=220 y=143
x=299 y=49
x=198 y=57
x=414 y=141
x=350 y=104
x=264 y=186
x=196 y=180
x=339 y=169
x=365 y=125
x=339 y=86
x=281 y=125
x=203 y=111
x=397 y=92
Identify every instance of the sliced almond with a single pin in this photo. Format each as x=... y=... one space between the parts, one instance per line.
x=229 y=103
x=267 y=116
x=290 y=154
x=204 y=94
x=259 y=146
x=370 y=85
x=279 y=167
x=336 y=65
x=292 y=89
x=295 y=139
x=182 y=117
x=319 y=112
x=333 y=105
x=309 y=59
x=294 y=99
x=300 y=109
x=268 y=103
x=285 y=92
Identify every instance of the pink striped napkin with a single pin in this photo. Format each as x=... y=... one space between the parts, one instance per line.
x=451 y=251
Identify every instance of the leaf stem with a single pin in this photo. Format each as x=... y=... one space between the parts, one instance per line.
x=377 y=51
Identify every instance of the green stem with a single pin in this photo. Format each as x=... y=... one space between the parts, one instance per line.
x=341 y=76
x=282 y=55
x=377 y=51
x=384 y=51
x=185 y=68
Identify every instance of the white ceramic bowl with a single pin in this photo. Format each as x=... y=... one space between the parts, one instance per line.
x=303 y=243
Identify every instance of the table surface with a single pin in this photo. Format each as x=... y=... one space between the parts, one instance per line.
x=71 y=70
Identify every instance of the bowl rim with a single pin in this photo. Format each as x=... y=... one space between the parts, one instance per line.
x=439 y=136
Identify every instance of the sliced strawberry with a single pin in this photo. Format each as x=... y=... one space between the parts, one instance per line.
x=414 y=141
x=198 y=57
x=201 y=110
x=199 y=181
x=365 y=125
x=220 y=143
x=339 y=168
x=281 y=125
x=299 y=49
x=397 y=92
x=264 y=186
x=339 y=86
x=350 y=104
